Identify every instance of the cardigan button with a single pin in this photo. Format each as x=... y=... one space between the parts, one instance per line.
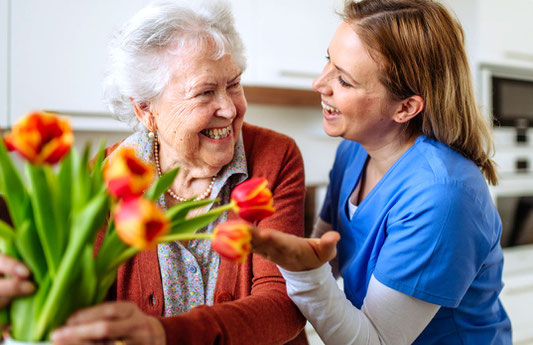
x=151 y=298
x=224 y=297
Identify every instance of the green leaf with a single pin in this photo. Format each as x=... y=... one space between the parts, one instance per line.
x=63 y=193
x=85 y=224
x=111 y=248
x=45 y=218
x=103 y=287
x=97 y=168
x=193 y=224
x=6 y=231
x=24 y=313
x=11 y=179
x=161 y=185
x=84 y=283
x=180 y=211
x=4 y=318
x=29 y=246
x=81 y=193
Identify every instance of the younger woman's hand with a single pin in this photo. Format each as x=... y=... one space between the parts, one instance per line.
x=111 y=323
x=295 y=253
x=13 y=280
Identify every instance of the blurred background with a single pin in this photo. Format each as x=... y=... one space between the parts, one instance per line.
x=53 y=55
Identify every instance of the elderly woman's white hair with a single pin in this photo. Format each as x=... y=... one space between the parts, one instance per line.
x=138 y=67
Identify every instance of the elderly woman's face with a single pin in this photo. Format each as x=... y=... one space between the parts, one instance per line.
x=199 y=116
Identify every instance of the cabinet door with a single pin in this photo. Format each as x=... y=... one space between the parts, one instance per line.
x=4 y=105
x=59 y=53
x=286 y=40
x=506 y=31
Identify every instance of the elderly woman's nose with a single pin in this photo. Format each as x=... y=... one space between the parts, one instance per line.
x=226 y=106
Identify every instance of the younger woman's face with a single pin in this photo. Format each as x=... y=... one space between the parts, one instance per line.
x=356 y=105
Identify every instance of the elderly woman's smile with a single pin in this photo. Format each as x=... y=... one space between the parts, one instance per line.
x=217 y=133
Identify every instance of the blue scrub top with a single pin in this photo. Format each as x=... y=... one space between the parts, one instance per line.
x=428 y=229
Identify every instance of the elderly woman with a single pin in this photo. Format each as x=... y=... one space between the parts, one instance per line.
x=419 y=234
x=175 y=70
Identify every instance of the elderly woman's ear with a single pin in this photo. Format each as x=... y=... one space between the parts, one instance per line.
x=143 y=112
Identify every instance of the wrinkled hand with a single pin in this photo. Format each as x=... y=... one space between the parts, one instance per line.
x=295 y=253
x=14 y=280
x=109 y=322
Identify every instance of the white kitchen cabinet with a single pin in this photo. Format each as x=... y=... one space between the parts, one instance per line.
x=4 y=34
x=58 y=53
x=286 y=41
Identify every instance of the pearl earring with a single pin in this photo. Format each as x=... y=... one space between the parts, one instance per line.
x=151 y=134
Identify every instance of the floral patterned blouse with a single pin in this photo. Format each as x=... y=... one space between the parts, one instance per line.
x=189 y=274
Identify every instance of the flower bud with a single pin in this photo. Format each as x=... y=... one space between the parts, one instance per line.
x=41 y=138
x=253 y=200
x=127 y=175
x=140 y=223
x=231 y=240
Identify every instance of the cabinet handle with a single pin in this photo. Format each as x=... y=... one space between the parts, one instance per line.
x=298 y=74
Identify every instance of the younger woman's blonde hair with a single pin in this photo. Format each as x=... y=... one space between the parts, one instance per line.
x=420 y=50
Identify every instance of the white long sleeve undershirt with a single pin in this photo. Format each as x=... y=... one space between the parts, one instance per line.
x=386 y=317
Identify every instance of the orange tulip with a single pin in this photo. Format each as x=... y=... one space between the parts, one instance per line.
x=140 y=223
x=231 y=240
x=253 y=200
x=41 y=137
x=127 y=175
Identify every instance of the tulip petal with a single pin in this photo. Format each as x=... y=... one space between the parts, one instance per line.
x=139 y=223
x=249 y=189
x=231 y=240
x=41 y=137
x=253 y=200
x=126 y=174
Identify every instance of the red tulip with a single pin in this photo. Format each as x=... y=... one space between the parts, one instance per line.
x=41 y=137
x=140 y=223
x=231 y=240
x=127 y=175
x=253 y=200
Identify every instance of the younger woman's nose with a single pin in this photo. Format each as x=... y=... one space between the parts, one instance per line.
x=321 y=83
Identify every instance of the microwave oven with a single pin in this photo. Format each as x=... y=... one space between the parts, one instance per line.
x=507 y=95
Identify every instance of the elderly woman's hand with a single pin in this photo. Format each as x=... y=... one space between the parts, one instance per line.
x=14 y=280
x=295 y=253
x=111 y=323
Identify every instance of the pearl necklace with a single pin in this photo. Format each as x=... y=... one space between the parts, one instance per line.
x=169 y=191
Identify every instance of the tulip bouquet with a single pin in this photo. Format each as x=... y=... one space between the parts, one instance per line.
x=57 y=211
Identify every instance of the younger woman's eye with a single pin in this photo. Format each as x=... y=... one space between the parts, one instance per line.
x=343 y=83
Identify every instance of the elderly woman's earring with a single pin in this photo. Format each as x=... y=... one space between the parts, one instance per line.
x=151 y=134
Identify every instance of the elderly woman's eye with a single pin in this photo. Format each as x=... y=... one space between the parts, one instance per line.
x=206 y=93
x=234 y=85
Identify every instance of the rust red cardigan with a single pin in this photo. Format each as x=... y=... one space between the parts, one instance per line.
x=251 y=305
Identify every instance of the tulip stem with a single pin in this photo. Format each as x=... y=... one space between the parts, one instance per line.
x=229 y=206
x=123 y=257
x=181 y=237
